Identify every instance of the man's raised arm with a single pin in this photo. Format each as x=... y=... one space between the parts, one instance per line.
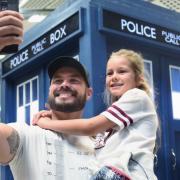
x=9 y=143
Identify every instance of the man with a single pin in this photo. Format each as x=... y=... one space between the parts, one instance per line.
x=11 y=22
x=39 y=154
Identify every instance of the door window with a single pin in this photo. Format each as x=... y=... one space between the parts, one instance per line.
x=27 y=100
x=175 y=90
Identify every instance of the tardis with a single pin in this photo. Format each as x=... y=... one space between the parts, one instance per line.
x=89 y=31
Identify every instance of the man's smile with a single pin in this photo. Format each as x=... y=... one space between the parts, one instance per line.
x=65 y=93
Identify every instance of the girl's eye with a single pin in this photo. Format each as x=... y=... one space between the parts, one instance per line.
x=122 y=71
x=109 y=73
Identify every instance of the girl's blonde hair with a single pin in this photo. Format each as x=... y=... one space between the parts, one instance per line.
x=137 y=64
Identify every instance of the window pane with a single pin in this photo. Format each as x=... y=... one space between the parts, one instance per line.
x=27 y=114
x=27 y=89
x=34 y=90
x=20 y=90
x=175 y=73
x=175 y=90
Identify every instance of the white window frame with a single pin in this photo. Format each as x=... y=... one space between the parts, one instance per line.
x=21 y=116
x=151 y=80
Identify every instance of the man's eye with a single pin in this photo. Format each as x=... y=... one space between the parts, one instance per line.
x=57 y=81
x=75 y=81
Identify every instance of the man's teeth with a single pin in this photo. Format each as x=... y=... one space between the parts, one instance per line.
x=64 y=95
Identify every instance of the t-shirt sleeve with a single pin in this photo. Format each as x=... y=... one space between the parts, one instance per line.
x=130 y=108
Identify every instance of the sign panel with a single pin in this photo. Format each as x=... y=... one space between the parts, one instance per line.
x=55 y=35
x=128 y=25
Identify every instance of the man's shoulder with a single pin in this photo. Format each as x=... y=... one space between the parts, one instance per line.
x=23 y=127
x=18 y=125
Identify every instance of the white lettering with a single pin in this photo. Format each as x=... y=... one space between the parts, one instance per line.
x=140 y=32
x=123 y=23
x=19 y=59
x=131 y=27
x=38 y=47
x=153 y=33
x=138 y=29
x=171 y=38
x=146 y=29
x=58 y=34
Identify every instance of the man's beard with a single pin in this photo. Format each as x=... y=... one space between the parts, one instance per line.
x=77 y=105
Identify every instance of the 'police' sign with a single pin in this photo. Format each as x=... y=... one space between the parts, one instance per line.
x=55 y=35
x=140 y=28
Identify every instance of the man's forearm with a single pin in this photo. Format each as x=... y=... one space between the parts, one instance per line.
x=9 y=142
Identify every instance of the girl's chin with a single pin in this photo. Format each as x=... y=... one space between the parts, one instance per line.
x=116 y=94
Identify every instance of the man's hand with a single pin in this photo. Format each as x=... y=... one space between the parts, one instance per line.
x=11 y=28
x=41 y=114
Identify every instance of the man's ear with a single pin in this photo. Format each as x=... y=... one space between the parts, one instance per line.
x=89 y=92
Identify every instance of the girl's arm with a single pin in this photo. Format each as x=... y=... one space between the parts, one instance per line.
x=88 y=127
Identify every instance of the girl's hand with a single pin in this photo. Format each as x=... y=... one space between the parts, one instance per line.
x=44 y=122
x=41 y=114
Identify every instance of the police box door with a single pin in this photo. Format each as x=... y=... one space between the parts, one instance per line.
x=170 y=103
x=164 y=75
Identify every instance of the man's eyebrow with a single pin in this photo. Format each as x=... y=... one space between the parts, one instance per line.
x=76 y=76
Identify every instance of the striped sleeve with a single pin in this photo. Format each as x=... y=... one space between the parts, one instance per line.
x=130 y=108
x=118 y=116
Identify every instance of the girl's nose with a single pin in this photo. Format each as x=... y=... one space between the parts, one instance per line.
x=114 y=77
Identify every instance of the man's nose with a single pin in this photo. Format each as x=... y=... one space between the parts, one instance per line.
x=65 y=83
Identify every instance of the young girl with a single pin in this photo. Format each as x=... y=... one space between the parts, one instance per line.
x=126 y=131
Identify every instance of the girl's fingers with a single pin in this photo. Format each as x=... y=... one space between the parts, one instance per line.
x=40 y=114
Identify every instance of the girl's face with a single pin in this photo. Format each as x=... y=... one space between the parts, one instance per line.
x=120 y=77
